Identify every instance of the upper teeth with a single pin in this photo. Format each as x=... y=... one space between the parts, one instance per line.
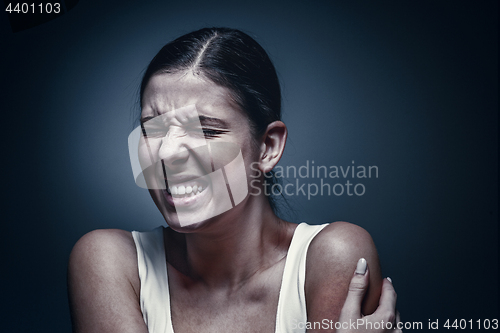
x=183 y=190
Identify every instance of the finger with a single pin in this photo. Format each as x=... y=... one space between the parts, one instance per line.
x=357 y=288
x=398 y=320
x=387 y=303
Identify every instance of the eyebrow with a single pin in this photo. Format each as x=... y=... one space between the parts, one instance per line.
x=204 y=121
x=144 y=119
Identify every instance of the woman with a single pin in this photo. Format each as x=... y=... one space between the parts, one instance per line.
x=210 y=125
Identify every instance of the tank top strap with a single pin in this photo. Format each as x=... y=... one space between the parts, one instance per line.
x=154 y=294
x=292 y=313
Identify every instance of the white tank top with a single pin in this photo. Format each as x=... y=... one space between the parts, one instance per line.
x=155 y=296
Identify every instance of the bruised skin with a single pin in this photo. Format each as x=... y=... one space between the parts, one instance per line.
x=224 y=272
x=104 y=286
x=331 y=259
x=166 y=93
x=332 y=255
x=208 y=297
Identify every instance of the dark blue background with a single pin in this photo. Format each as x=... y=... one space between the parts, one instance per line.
x=410 y=87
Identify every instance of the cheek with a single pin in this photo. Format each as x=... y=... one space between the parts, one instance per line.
x=156 y=195
x=251 y=157
x=150 y=165
x=148 y=152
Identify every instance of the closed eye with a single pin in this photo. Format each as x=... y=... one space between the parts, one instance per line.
x=213 y=133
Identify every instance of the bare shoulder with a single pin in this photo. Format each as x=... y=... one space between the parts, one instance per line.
x=331 y=261
x=341 y=242
x=105 y=252
x=102 y=245
x=103 y=283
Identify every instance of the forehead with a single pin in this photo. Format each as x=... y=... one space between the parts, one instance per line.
x=168 y=92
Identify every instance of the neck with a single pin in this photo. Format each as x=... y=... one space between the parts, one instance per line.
x=236 y=245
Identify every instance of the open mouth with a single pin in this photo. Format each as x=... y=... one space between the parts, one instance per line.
x=186 y=190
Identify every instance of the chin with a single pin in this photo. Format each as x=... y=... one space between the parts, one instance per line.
x=174 y=224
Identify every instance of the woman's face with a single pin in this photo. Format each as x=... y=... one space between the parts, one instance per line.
x=196 y=148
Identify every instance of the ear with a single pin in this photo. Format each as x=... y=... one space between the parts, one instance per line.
x=273 y=145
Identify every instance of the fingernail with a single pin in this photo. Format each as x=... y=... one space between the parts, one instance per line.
x=361 y=266
x=390 y=280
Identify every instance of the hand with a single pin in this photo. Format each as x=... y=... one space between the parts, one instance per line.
x=384 y=319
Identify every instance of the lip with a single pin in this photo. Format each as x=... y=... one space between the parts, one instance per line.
x=186 y=201
x=186 y=180
x=182 y=180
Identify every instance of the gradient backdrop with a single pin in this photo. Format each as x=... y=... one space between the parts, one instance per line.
x=408 y=86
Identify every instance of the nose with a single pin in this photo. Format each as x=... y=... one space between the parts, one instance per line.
x=174 y=149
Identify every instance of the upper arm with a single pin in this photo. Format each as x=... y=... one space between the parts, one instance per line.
x=103 y=283
x=331 y=261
